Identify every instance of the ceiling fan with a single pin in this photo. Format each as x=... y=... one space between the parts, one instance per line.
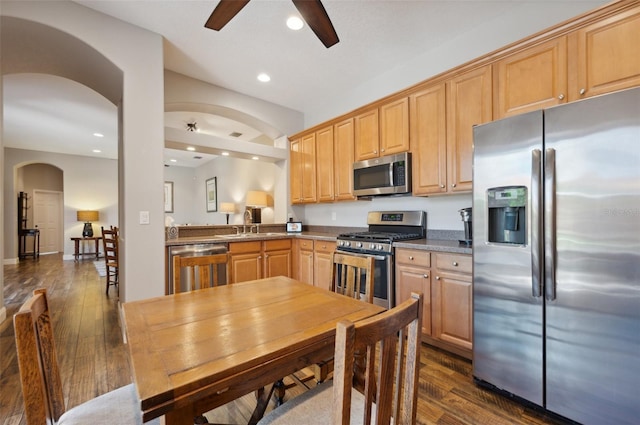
x=312 y=12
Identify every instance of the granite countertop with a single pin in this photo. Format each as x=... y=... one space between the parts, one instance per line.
x=430 y=244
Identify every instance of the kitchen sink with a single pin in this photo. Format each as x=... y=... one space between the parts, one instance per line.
x=250 y=235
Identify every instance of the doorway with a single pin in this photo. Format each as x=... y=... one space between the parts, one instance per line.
x=47 y=217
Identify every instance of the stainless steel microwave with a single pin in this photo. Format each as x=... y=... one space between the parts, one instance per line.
x=387 y=175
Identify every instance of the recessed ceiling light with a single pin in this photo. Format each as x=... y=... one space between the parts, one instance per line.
x=173 y=160
x=264 y=78
x=295 y=23
x=97 y=151
x=255 y=158
x=98 y=134
x=225 y=153
x=191 y=148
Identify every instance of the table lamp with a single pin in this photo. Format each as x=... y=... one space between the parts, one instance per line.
x=87 y=217
x=227 y=208
x=256 y=199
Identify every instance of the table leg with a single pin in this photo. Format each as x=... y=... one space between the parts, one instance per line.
x=182 y=416
x=261 y=406
x=77 y=250
x=97 y=247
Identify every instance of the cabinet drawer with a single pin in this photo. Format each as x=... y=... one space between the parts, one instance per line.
x=305 y=244
x=413 y=257
x=277 y=244
x=324 y=247
x=236 y=247
x=454 y=263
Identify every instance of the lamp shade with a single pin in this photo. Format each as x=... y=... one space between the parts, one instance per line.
x=256 y=198
x=87 y=216
x=227 y=207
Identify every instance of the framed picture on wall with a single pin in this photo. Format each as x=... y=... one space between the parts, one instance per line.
x=212 y=195
x=168 y=197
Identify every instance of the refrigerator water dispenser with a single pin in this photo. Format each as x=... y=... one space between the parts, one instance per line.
x=507 y=214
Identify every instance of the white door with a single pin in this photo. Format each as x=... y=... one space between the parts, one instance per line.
x=47 y=216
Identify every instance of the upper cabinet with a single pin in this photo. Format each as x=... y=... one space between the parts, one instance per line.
x=607 y=55
x=469 y=103
x=343 y=155
x=531 y=79
x=303 y=169
x=324 y=163
x=382 y=131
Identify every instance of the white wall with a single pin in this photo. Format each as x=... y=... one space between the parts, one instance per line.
x=89 y=183
x=139 y=55
x=235 y=177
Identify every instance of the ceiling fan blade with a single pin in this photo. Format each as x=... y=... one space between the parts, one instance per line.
x=316 y=17
x=224 y=12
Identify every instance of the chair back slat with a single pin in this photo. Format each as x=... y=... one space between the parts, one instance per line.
x=390 y=344
x=203 y=271
x=110 y=244
x=353 y=276
x=37 y=361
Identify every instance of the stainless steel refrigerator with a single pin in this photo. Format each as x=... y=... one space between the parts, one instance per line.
x=556 y=258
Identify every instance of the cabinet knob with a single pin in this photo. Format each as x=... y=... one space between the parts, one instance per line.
x=382 y=150
x=453 y=185
x=425 y=276
x=259 y=257
x=455 y=264
x=441 y=186
x=437 y=277
x=582 y=91
x=561 y=96
x=411 y=257
x=375 y=151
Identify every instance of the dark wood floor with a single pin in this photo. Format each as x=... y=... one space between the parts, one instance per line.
x=94 y=360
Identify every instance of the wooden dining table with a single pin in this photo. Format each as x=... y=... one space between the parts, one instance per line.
x=195 y=351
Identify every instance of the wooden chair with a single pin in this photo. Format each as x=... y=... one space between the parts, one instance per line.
x=41 y=381
x=390 y=347
x=110 y=244
x=347 y=276
x=207 y=268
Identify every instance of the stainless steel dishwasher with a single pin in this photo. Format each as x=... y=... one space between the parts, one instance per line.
x=194 y=250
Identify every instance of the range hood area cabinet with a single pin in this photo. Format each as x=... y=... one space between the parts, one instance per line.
x=568 y=62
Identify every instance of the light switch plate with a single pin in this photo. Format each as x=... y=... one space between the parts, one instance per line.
x=144 y=217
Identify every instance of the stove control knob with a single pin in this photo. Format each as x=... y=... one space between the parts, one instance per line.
x=380 y=248
x=347 y=243
x=372 y=246
x=359 y=245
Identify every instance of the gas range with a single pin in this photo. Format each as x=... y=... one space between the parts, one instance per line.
x=385 y=227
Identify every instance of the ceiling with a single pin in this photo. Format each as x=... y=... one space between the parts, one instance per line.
x=376 y=36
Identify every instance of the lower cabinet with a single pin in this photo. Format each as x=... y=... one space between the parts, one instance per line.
x=446 y=282
x=259 y=259
x=314 y=261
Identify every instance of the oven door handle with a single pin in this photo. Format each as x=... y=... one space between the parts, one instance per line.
x=375 y=257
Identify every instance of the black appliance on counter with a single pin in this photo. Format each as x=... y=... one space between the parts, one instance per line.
x=385 y=228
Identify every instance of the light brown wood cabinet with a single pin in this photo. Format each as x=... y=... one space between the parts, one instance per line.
x=323 y=263
x=302 y=159
x=304 y=255
x=469 y=102
x=383 y=130
x=606 y=55
x=531 y=79
x=343 y=154
x=413 y=274
x=325 y=164
x=445 y=280
x=452 y=300
x=259 y=259
x=429 y=140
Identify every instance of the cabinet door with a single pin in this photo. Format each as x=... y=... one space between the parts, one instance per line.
x=394 y=127
x=323 y=263
x=308 y=149
x=429 y=140
x=608 y=57
x=452 y=309
x=277 y=263
x=305 y=260
x=245 y=267
x=324 y=155
x=532 y=79
x=295 y=173
x=343 y=154
x=367 y=138
x=412 y=279
x=468 y=103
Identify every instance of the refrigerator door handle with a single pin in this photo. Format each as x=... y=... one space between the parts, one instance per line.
x=550 y=224
x=536 y=222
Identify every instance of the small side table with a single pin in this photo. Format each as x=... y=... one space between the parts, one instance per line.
x=23 y=234
x=77 y=252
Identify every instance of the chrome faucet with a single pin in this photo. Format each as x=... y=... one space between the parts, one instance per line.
x=253 y=226
x=237 y=229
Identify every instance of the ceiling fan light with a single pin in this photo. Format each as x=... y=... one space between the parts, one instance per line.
x=295 y=23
